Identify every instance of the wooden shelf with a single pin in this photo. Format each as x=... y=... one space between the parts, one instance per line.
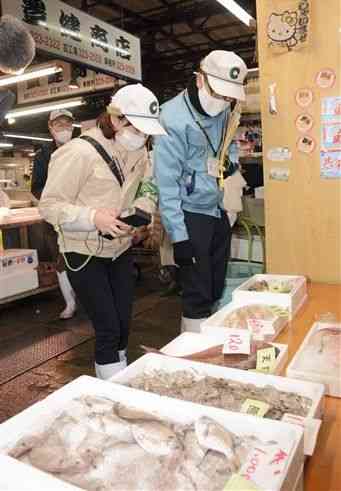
x=29 y=293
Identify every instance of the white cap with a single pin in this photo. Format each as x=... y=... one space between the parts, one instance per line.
x=226 y=73
x=60 y=112
x=141 y=108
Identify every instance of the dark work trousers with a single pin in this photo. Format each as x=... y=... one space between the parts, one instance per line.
x=105 y=288
x=203 y=282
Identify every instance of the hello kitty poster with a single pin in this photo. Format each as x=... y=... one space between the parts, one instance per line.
x=288 y=25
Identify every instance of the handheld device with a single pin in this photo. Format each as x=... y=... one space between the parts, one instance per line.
x=135 y=217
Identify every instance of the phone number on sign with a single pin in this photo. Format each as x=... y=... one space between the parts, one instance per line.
x=46 y=41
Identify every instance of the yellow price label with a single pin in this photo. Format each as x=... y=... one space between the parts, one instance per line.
x=266 y=359
x=239 y=483
x=255 y=408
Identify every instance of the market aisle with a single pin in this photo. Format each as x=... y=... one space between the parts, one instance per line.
x=155 y=323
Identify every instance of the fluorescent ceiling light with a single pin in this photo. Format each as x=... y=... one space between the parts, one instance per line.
x=237 y=11
x=253 y=70
x=6 y=145
x=77 y=125
x=45 y=108
x=27 y=137
x=43 y=71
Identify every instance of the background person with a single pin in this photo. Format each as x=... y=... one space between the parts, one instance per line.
x=90 y=181
x=61 y=129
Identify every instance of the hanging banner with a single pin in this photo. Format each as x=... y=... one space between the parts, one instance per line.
x=73 y=35
x=331 y=138
x=58 y=85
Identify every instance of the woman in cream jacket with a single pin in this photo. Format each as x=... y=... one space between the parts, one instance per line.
x=86 y=191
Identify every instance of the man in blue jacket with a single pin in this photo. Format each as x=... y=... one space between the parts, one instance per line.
x=186 y=168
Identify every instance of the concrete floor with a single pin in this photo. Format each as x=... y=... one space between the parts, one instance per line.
x=155 y=322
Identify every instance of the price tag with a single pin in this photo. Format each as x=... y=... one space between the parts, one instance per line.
x=266 y=359
x=260 y=328
x=255 y=408
x=237 y=341
x=311 y=428
x=266 y=463
x=239 y=483
x=213 y=166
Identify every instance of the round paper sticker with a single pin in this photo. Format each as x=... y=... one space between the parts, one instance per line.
x=304 y=123
x=306 y=144
x=304 y=97
x=326 y=78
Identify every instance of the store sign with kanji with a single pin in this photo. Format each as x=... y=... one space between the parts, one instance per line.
x=58 y=85
x=65 y=31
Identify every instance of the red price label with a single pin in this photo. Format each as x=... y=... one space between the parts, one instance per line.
x=237 y=341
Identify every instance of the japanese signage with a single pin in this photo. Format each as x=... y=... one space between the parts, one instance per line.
x=330 y=153
x=71 y=34
x=58 y=85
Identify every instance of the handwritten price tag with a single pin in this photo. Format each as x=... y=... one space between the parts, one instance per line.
x=311 y=428
x=264 y=464
x=260 y=328
x=237 y=342
x=255 y=408
x=266 y=359
x=239 y=483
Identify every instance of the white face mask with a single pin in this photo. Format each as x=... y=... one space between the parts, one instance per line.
x=211 y=105
x=62 y=137
x=130 y=141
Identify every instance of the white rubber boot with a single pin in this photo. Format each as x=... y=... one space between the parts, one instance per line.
x=191 y=325
x=123 y=355
x=104 y=372
x=68 y=294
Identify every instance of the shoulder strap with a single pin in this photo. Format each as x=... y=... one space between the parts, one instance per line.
x=112 y=162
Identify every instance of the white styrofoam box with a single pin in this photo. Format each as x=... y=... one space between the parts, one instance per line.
x=18 y=282
x=240 y=248
x=40 y=415
x=152 y=361
x=292 y=301
x=331 y=380
x=16 y=476
x=14 y=260
x=188 y=343
x=214 y=324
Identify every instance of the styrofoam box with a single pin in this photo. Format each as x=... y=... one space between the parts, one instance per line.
x=18 y=282
x=41 y=414
x=214 y=324
x=191 y=342
x=154 y=361
x=292 y=301
x=332 y=382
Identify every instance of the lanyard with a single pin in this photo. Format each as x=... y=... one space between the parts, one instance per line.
x=209 y=141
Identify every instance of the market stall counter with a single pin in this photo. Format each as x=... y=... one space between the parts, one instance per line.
x=322 y=470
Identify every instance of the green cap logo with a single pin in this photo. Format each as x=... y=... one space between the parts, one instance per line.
x=234 y=73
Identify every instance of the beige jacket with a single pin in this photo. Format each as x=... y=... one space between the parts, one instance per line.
x=80 y=181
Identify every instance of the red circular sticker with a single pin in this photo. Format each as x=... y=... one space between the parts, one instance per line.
x=304 y=123
x=306 y=144
x=326 y=78
x=304 y=97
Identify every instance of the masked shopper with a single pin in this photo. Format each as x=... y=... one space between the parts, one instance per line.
x=61 y=129
x=187 y=167
x=91 y=180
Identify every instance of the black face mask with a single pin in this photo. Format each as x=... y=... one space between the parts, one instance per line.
x=193 y=95
x=7 y=100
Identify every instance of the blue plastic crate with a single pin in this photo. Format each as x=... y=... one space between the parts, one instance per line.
x=237 y=273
